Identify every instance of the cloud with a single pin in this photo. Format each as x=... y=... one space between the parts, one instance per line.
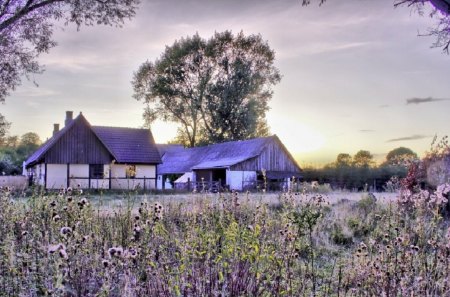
x=424 y=100
x=366 y=130
x=384 y=106
x=407 y=138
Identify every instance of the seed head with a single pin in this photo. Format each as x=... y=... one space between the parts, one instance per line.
x=65 y=231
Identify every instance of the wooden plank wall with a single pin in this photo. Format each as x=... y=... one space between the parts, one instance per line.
x=273 y=158
x=79 y=145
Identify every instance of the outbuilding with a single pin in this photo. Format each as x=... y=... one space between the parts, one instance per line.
x=237 y=165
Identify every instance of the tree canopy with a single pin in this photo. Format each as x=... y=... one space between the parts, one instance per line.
x=441 y=12
x=26 y=29
x=363 y=158
x=14 y=150
x=397 y=155
x=216 y=89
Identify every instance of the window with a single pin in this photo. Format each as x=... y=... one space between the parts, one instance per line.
x=96 y=171
x=130 y=171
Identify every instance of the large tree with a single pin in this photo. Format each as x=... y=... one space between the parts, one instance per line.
x=26 y=28
x=363 y=158
x=399 y=155
x=216 y=89
x=441 y=12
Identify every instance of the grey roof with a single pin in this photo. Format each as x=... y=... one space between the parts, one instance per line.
x=126 y=145
x=129 y=145
x=164 y=148
x=221 y=155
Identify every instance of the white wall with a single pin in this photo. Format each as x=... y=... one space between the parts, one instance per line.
x=118 y=172
x=166 y=181
x=79 y=170
x=56 y=176
x=236 y=178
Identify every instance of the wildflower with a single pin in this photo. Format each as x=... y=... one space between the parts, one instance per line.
x=24 y=233
x=132 y=253
x=105 y=263
x=69 y=190
x=53 y=203
x=414 y=248
x=56 y=218
x=158 y=211
x=136 y=232
x=65 y=231
x=115 y=252
x=83 y=202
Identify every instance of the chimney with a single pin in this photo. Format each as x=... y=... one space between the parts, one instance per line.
x=69 y=118
x=55 y=129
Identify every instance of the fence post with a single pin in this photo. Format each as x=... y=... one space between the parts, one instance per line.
x=144 y=184
x=189 y=184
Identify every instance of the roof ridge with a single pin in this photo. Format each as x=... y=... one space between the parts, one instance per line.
x=117 y=127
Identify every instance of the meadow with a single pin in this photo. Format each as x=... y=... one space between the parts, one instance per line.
x=304 y=243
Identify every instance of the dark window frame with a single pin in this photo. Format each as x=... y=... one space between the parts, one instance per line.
x=96 y=171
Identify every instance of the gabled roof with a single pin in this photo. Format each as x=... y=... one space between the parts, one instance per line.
x=221 y=155
x=129 y=145
x=164 y=148
x=126 y=145
x=39 y=153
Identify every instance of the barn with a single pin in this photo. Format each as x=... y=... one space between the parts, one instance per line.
x=237 y=165
x=81 y=155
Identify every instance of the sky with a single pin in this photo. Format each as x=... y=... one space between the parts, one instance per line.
x=356 y=75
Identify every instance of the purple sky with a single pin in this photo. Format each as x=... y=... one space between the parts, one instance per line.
x=349 y=69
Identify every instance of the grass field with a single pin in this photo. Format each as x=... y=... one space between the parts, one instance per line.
x=288 y=244
x=118 y=201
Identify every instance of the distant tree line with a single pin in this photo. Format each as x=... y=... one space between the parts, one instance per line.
x=14 y=150
x=360 y=172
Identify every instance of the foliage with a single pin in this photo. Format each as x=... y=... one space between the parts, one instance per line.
x=400 y=155
x=441 y=12
x=216 y=89
x=358 y=173
x=14 y=151
x=60 y=244
x=26 y=28
x=363 y=159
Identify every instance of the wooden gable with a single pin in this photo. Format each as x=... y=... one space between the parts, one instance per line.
x=274 y=157
x=78 y=145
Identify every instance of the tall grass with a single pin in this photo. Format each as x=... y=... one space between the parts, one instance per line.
x=59 y=244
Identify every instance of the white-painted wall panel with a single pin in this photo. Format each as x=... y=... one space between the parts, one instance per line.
x=235 y=179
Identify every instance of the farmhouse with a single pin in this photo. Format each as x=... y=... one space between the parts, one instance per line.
x=238 y=165
x=95 y=157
